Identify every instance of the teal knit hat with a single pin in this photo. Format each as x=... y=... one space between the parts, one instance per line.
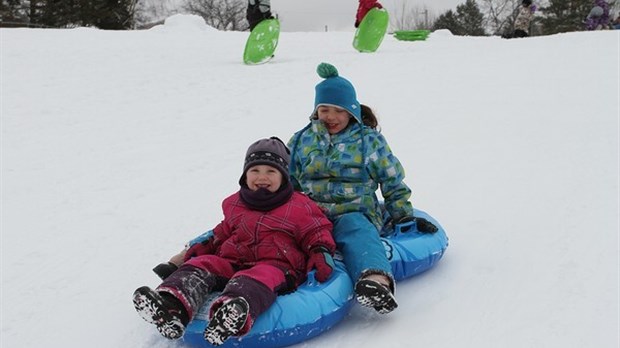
x=336 y=91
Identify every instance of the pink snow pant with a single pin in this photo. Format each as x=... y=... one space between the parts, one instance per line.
x=258 y=285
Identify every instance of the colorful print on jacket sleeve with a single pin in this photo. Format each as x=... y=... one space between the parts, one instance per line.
x=386 y=169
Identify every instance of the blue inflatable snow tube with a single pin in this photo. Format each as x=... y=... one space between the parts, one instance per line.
x=411 y=253
x=316 y=307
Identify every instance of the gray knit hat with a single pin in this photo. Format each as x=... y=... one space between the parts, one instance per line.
x=272 y=152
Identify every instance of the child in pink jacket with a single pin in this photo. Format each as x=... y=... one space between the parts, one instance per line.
x=270 y=238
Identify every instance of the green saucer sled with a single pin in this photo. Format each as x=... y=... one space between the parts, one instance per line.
x=262 y=42
x=371 y=30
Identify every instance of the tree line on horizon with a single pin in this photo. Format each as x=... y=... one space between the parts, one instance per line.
x=471 y=18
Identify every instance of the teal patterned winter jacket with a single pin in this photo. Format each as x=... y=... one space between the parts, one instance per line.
x=341 y=172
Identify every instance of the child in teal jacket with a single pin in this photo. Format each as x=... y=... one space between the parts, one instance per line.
x=339 y=160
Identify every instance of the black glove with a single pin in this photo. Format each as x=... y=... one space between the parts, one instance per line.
x=425 y=226
x=422 y=225
x=404 y=224
x=164 y=270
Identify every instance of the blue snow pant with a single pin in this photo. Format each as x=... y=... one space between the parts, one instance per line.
x=362 y=249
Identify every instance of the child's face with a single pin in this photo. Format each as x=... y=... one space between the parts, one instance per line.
x=263 y=176
x=334 y=118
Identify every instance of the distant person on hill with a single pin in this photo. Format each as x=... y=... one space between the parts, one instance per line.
x=257 y=11
x=598 y=18
x=363 y=8
x=617 y=22
x=522 y=22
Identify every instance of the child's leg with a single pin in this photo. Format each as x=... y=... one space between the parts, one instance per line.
x=259 y=285
x=358 y=240
x=195 y=279
x=366 y=261
x=520 y=33
x=165 y=312
x=172 y=305
x=246 y=296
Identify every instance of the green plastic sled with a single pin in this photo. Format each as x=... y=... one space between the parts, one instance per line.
x=411 y=35
x=262 y=42
x=371 y=30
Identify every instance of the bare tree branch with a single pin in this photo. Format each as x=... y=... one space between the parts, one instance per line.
x=405 y=18
x=220 y=14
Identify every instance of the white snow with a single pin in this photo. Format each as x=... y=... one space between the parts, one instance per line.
x=118 y=147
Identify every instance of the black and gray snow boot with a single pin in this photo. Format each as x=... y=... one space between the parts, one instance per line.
x=227 y=321
x=163 y=310
x=375 y=295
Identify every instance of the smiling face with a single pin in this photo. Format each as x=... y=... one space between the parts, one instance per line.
x=263 y=176
x=335 y=119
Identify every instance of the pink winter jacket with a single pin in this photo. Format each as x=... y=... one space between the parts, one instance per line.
x=364 y=7
x=283 y=237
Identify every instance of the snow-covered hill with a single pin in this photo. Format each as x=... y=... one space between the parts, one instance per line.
x=117 y=147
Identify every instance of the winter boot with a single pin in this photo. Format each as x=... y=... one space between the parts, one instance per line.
x=163 y=310
x=227 y=321
x=375 y=295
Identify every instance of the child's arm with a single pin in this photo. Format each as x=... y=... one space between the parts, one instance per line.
x=396 y=193
x=293 y=166
x=389 y=173
x=322 y=260
x=207 y=243
x=315 y=238
x=163 y=270
x=177 y=259
x=315 y=229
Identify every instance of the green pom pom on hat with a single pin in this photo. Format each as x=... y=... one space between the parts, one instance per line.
x=326 y=70
x=336 y=91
